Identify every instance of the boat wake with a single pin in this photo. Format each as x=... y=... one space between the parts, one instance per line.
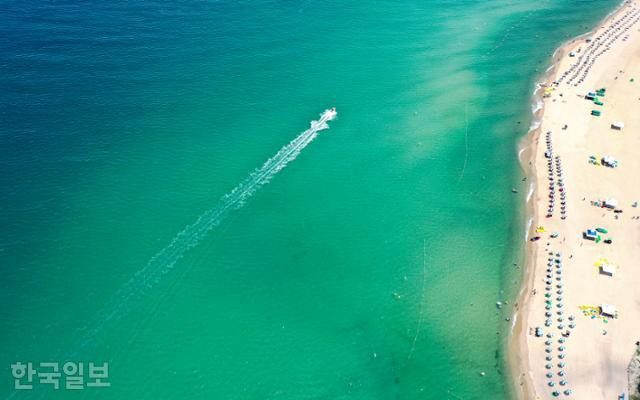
x=163 y=261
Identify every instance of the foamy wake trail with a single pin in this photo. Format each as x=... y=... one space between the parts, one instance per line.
x=163 y=261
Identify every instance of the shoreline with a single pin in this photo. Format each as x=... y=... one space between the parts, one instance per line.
x=521 y=378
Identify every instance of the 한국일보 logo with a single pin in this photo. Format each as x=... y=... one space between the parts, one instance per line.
x=69 y=375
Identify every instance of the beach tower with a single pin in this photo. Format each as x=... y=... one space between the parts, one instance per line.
x=607 y=269
x=607 y=310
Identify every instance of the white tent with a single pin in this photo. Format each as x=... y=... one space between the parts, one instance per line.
x=617 y=125
x=608 y=310
x=607 y=269
x=611 y=203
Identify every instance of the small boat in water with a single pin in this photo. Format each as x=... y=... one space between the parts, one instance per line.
x=330 y=113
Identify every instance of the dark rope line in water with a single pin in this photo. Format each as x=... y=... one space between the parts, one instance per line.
x=466 y=141
x=421 y=313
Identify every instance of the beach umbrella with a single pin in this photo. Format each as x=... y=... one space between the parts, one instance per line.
x=548 y=349
x=572 y=325
x=561 y=356
x=549 y=358
x=548 y=307
x=548 y=343
x=549 y=375
x=561 y=340
x=559 y=298
x=547 y=314
x=561 y=326
x=550 y=335
x=563 y=382
x=561 y=373
x=561 y=348
x=561 y=364
x=560 y=292
x=572 y=317
x=555 y=393
x=551 y=383
x=560 y=312
x=559 y=285
x=568 y=392
x=559 y=305
x=548 y=366
x=560 y=319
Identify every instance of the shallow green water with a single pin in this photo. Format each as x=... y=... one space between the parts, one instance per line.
x=367 y=268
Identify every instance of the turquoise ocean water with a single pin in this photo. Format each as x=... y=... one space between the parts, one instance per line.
x=367 y=267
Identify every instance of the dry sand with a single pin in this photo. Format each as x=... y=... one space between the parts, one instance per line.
x=596 y=362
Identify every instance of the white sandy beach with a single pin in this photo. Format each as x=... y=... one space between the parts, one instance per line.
x=598 y=350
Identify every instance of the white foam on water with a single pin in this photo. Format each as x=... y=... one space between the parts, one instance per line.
x=530 y=192
x=165 y=259
x=526 y=232
x=535 y=124
x=537 y=106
